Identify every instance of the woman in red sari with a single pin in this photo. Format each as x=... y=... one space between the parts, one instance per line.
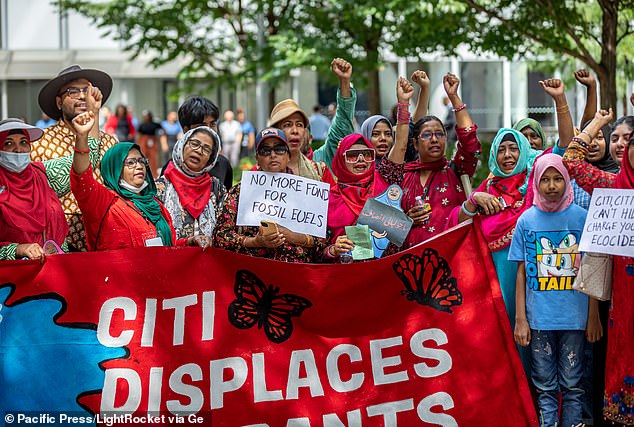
x=432 y=177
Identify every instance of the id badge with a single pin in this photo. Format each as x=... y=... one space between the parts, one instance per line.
x=154 y=241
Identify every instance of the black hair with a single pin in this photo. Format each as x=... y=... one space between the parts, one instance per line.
x=628 y=120
x=194 y=110
x=419 y=124
x=509 y=137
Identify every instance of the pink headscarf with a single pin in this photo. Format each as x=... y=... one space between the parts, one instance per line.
x=541 y=165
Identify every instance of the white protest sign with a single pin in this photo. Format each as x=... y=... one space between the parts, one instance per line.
x=609 y=227
x=299 y=204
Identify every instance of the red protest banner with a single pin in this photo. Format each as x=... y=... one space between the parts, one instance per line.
x=419 y=338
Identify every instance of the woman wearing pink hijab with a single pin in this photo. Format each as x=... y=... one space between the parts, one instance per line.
x=550 y=316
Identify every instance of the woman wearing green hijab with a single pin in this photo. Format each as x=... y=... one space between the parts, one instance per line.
x=532 y=130
x=124 y=213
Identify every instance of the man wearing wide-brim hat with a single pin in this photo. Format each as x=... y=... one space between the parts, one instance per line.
x=74 y=91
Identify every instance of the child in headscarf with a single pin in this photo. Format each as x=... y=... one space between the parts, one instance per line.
x=550 y=316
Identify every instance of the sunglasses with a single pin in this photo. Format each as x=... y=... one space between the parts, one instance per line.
x=278 y=149
x=133 y=161
x=355 y=155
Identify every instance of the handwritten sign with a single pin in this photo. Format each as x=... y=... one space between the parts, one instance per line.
x=385 y=219
x=609 y=227
x=299 y=204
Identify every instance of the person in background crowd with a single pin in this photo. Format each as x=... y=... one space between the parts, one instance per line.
x=123 y=213
x=130 y=112
x=147 y=137
x=199 y=111
x=120 y=124
x=191 y=196
x=319 y=125
x=551 y=319
x=532 y=130
x=30 y=211
x=172 y=132
x=231 y=135
x=358 y=178
x=104 y=115
x=620 y=132
x=272 y=155
x=73 y=91
x=45 y=121
x=248 y=134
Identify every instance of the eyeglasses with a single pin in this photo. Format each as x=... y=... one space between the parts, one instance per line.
x=428 y=135
x=355 y=155
x=278 y=149
x=195 y=144
x=75 y=92
x=133 y=161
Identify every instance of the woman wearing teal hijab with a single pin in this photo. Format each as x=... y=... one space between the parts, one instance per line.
x=125 y=212
x=500 y=201
x=497 y=205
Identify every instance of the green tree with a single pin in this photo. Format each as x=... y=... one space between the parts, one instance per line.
x=360 y=30
x=218 y=41
x=597 y=33
x=236 y=42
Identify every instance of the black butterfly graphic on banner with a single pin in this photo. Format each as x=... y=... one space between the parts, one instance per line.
x=427 y=280
x=257 y=303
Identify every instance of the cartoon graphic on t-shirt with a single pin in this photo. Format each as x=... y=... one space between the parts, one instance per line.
x=556 y=262
x=557 y=259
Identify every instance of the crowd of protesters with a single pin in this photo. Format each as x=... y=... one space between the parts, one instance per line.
x=95 y=181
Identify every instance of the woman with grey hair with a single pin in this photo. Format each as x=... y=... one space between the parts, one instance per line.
x=193 y=197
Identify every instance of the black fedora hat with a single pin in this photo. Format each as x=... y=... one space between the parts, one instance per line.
x=51 y=89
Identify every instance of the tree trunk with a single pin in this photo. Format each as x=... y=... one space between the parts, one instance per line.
x=374 y=92
x=272 y=101
x=374 y=87
x=607 y=76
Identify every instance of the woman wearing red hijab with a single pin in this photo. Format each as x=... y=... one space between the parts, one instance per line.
x=619 y=373
x=30 y=212
x=359 y=180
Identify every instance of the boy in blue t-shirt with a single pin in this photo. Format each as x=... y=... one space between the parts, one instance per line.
x=550 y=316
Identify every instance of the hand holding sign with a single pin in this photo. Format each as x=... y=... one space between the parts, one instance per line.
x=297 y=203
x=609 y=227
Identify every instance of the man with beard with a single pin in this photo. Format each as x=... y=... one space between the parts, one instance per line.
x=74 y=91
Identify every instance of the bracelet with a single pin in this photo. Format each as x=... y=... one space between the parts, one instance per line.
x=471 y=199
x=244 y=242
x=81 y=151
x=462 y=107
x=309 y=241
x=400 y=104
x=563 y=109
x=330 y=255
x=587 y=133
x=580 y=141
x=467 y=211
x=402 y=117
